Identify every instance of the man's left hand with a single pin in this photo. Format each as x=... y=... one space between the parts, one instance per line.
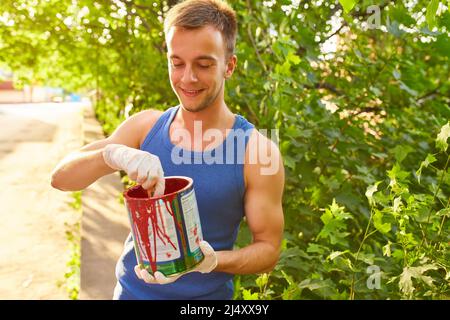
x=208 y=264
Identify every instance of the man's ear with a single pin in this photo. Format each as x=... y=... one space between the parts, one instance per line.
x=231 y=65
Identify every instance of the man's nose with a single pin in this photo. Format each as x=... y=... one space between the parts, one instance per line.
x=189 y=74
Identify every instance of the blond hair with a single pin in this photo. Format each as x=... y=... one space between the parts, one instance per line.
x=193 y=14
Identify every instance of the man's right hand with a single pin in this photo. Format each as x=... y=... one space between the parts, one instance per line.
x=141 y=166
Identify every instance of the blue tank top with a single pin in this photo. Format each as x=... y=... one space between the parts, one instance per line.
x=219 y=189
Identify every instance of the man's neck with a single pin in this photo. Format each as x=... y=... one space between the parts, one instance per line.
x=216 y=116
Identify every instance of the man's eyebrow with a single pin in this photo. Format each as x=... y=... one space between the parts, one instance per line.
x=204 y=57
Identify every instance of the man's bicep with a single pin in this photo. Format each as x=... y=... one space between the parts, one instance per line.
x=264 y=189
x=264 y=216
x=263 y=205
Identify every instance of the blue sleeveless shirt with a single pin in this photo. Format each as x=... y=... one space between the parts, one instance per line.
x=219 y=189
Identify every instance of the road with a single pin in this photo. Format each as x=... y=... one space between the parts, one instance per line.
x=34 y=249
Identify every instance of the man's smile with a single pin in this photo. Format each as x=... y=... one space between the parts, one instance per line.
x=191 y=93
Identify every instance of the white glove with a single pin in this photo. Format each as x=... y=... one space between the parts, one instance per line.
x=206 y=266
x=140 y=166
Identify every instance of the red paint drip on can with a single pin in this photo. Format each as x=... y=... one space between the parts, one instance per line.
x=166 y=229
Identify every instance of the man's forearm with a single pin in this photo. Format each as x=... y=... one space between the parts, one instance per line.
x=79 y=170
x=259 y=257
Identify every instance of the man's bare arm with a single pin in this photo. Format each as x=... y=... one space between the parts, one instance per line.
x=81 y=168
x=264 y=213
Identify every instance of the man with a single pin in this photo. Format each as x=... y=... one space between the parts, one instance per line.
x=200 y=37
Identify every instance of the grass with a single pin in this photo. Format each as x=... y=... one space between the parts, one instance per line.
x=71 y=280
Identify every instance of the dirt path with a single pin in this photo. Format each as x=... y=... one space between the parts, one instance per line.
x=104 y=226
x=34 y=217
x=33 y=245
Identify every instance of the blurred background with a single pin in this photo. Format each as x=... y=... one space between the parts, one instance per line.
x=359 y=92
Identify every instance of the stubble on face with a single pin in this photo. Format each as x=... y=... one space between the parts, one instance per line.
x=207 y=101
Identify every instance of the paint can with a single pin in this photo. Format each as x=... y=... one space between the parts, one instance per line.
x=166 y=229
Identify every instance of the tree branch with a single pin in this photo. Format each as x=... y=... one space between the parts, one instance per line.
x=334 y=33
x=249 y=31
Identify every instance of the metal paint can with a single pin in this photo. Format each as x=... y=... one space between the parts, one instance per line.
x=166 y=229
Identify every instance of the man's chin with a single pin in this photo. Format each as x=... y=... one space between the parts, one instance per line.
x=194 y=108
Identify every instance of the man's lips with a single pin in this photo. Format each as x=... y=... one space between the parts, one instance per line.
x=191 y=93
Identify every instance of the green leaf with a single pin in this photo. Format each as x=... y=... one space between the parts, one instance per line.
x=400 y=13
x=262 y=280
x=424 y=164
x=376 y=91
x=370 y=191
x=378 y=223
x=441 y=140
x=335 y=254
x=401 y=151
x=397 y=203
x=347 y=4
x=248 y=295
x=406 y=88
x=289 y=162
x=287 y=277
x=431 y=13
x=258 y=32
x=442 y=45
x=292 y=292
x=295 y=59
x=396 y=174
x=443 y=212
x=387 y=249
x=315 y=248
x=338 y=211
x=334 y=224
x=326 y=217
x=405 y=282
x=311 y=284
x=398 y=254
x=394 y=29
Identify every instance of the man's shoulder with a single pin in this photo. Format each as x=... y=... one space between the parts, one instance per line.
x=145 y=120
x=133 y=130
x=147 y=115
x=260 y=144
x=263 y=160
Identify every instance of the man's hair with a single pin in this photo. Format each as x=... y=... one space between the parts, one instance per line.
x=193 y=14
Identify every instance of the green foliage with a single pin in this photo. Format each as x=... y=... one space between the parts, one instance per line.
x=359 y=121
x=348 y=4
x=431 y=13
x=359 y=92
x=71 y=281
x=406 y=237
x=110 y=50
x=76 y=203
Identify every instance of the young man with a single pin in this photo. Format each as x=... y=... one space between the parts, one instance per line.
x=200 y=36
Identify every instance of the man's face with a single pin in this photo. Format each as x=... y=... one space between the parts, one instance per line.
x=198 y=66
